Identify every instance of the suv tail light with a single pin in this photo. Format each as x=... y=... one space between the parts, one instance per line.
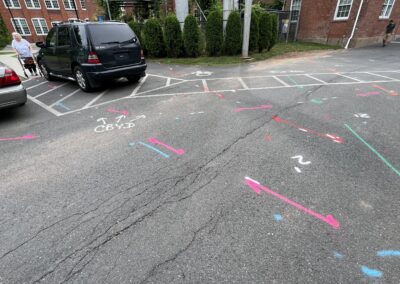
x=141 y=54
x=10 y=78
x=93 y=58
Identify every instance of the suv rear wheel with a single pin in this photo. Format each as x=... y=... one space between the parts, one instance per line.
x=45 y=71
x=82 y=79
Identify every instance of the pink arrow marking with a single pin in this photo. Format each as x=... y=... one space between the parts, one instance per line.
x=221 y=96
x=172 y=149
x=123 y=112
x=368 y=94
x=26 y=137
x=257 y=187
x=391 y=92
x=239 y=109
x=334 y=138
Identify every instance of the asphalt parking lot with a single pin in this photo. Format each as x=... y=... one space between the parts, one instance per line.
x=284 y=171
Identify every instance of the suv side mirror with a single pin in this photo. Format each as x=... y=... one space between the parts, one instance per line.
x=41 y=44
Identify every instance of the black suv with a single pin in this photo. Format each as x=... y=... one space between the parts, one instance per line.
x=90 y=52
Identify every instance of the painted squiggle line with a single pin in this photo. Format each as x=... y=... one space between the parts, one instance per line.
x=371 y=272
x=300 y=158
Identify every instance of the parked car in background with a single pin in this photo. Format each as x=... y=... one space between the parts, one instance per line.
x=91 y=53
x=12 y=92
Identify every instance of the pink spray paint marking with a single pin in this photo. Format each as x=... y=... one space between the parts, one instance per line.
x=221 y=96
x=257 y=187
x=332 y=137
x=267 y=137
x=155 y=141
x=390 y=92
x=25 y=137
x=123 y=112
x=368 y=94
x=239 y=109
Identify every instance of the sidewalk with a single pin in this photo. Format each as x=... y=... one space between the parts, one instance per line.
x=8 y=57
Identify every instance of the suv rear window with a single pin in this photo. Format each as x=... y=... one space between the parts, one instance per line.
x=110 y=33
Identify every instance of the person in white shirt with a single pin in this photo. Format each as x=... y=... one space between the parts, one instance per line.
x=23 y=49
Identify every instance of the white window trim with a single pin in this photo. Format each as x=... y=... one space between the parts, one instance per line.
x=80 y=2
x=18 y=20
x=52 y=5
x=33 y=24
x=391 y=10
x=33 y=8
x=337 y=8
x=70 y=9
x=5 y=5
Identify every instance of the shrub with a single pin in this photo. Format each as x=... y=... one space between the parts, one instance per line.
x=265 y=32
x=136 y=28
x=214 y=33
x=153 y=38
x=274 y=31
x=233 y=34
x=254 y=31
x=191 y=36
x=5 y=37
x=173 y=36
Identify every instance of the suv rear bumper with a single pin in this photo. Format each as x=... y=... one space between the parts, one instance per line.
x=98 y=73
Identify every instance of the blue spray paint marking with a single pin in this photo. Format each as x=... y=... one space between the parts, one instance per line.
x=131 y=144
x=63 y=106
x=384 y=253
x=316 y=101
x=371 y=272
x=155 y=149
x=294 y=81
x=278 y=217
x=338 y=255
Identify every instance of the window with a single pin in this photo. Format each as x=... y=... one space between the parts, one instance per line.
x=14 y=4
x=295 y=10
x=80 y=34
x=83 y=4
x=343 y=9
x=102 y=34
x=51 y=38
x=21 y=26
x=52 y=4
x=386 y=9
x=69 y=4
x=63 y=36
x=32 y=4
x=40 y=26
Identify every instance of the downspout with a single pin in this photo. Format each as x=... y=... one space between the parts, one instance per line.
x=355 y=25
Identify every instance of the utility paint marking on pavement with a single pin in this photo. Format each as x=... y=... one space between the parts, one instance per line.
x=362 y=115
x=396 y=171
x=52 y=89
x=60 y=104
x=278 y=217
x=371 y=272
x=257 y=187
x=384 y=253
x=316 y=101
x=300 y=160
x=368 y=94
x=239 y=109
x=334 y=138
x=155 y=141
x=390 y=92
x=297 y=169
x=338 y=255
x=123 y=112
x=155 y=149
x=25 y=137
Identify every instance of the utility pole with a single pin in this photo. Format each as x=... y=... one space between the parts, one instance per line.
x=108 y=8
x=246 y=28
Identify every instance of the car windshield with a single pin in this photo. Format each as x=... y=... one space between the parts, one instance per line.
x=111 y=33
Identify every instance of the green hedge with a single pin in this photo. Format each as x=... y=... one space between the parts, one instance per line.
x=254 y=32
x=265 y=32
x=136 y=28
x=153 y=38
x=274 y=30
x=5 y=37
x=173 y=36
x=233 y=34
x=214 y=33
x=191 y=36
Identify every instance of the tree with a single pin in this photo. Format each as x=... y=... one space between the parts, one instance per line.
x=233 y=37
x=115 y=8
x=214 y=33
x=274 y=30
x=173 y=36
x=136 y=28
x=265 y=32
x=153 y=38
x=206 y=5
x=191 y=36
x=5 y=37
x=275 y=5
x=254 y=32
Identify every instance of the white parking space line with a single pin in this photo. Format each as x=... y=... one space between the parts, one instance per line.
x=34 y=86
x=64 y=98
x=168 y=82
x=95 y=99
x=52 y=89
x=316 y=79
x=46 y=107
x=205 y=86
x=348 y=77
x=159 y=88
x=244 y=85
x=134 y=92
x=281 y=81
x=373 y=74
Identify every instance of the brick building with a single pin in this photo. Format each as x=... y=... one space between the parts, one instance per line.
x=332 y=21
x=34 y=18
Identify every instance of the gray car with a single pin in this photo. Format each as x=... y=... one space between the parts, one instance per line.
x=12 y=92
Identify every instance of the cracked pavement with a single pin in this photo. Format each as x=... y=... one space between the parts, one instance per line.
x=80 y=206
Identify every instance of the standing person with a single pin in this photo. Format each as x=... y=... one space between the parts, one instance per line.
x=23 y=49
x=389 y=32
